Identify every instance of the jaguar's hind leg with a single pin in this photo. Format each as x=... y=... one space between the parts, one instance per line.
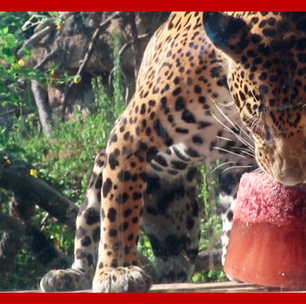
x=87 y=238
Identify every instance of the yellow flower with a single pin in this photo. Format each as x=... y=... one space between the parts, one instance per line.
x=34 y=173
x=52 y=72
x=77 y=79
x=21 y=63
x=60 y=25
x=7 y=160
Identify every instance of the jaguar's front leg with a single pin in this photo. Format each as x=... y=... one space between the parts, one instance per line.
x=124 y=182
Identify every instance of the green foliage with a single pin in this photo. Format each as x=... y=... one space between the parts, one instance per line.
x=15 y=98
x=118 y=103
x=36 y=18
x=211 y=225
x=145 y=247
x=65 y=163
x=25 y=275
x=16 y=73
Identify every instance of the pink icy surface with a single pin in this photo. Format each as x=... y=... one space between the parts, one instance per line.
x=261 y=199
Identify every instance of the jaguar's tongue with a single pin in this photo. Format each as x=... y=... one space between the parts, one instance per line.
x=268 y=240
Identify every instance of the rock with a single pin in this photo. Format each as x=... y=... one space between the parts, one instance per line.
x=70 y=44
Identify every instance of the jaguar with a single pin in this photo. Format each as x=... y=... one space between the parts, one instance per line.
x=227 y=86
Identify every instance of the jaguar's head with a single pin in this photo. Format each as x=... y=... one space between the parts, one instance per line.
x=267 y=79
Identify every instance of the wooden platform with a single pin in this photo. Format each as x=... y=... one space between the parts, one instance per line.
x=220 y=287
x=208 y=287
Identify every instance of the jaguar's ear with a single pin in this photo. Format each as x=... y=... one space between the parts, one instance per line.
x=226 y=32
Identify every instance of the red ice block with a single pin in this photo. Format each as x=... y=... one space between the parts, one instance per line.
x=268 y=239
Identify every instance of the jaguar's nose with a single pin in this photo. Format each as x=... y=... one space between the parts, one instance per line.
x=290 y=177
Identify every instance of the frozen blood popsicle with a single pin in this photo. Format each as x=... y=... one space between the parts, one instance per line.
x=268 y=239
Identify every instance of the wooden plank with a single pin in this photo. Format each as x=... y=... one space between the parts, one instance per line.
x=217 y=287
x=207 y=287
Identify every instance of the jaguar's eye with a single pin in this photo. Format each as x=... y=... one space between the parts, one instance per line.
x=263 y=109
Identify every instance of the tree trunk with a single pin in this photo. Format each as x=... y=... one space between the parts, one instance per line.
x=44 y=111
x=18 y=176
